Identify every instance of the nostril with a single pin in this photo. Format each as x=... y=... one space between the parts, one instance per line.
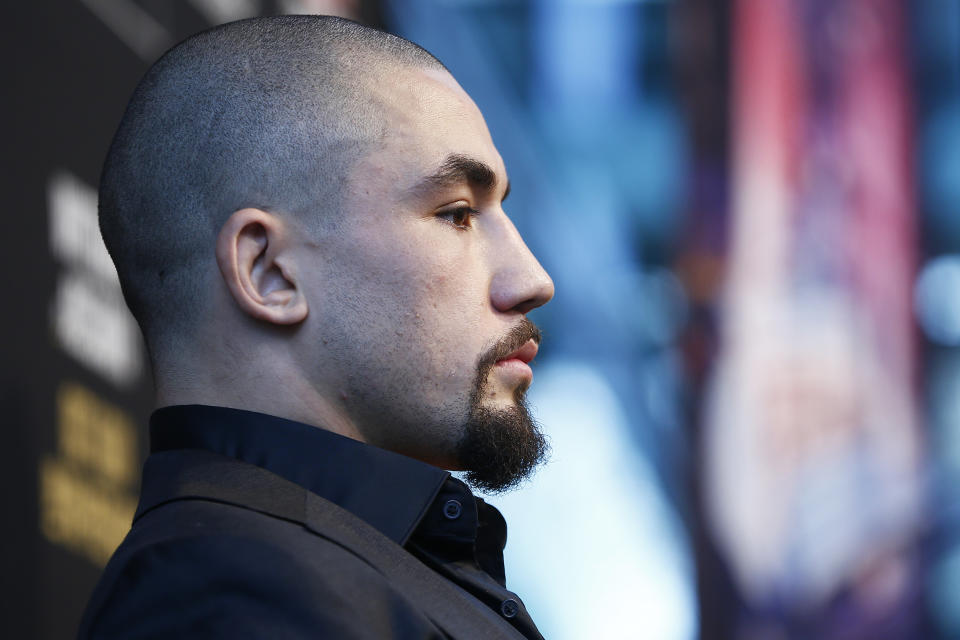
x=510 y=294
x=529 y=305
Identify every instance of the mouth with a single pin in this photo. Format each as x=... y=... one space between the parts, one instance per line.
x=526 y=353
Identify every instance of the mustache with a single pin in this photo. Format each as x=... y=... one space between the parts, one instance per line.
x=516 y=338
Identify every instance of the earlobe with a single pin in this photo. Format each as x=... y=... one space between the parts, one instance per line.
x=252 y=254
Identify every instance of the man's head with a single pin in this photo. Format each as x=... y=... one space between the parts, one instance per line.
x=306 y=218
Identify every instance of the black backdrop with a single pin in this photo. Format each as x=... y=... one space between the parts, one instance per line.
x=66 y=81
x=75 y=392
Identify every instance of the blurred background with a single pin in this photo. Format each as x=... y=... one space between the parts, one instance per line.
x=751 y=371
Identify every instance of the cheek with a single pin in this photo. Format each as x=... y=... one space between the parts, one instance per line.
x=441 y=275
x=425 y=288
x=446 y=331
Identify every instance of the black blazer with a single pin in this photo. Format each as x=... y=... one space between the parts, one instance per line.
x=224 y=549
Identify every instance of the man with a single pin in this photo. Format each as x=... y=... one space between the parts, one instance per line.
x=306 y=218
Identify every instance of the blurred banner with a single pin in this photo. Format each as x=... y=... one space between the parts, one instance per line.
x=812 y=443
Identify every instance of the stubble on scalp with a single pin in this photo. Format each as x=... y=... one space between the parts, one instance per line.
x=270 y=113
x=501 y=447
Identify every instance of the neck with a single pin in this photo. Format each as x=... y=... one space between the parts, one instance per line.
x=272 y=390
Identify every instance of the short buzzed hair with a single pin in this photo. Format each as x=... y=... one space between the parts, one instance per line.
x=267 y=112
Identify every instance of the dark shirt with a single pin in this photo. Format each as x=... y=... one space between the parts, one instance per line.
x=420 y=507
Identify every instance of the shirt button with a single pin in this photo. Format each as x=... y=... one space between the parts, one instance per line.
x=509 y=608
x=452 y=510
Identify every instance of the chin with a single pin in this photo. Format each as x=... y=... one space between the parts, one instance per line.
x=501 y=447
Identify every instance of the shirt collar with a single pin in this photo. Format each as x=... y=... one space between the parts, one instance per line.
x=389 y=491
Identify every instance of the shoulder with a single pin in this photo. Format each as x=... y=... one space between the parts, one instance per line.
x=196 y=568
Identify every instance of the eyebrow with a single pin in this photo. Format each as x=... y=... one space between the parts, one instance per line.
x=458 y=169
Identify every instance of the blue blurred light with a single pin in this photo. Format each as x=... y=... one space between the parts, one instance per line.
x=937 y=300
x=945 y=579
x=941 y=172
x=594 y=546
x=944 y=411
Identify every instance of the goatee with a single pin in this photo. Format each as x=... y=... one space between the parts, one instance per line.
x=501 y=447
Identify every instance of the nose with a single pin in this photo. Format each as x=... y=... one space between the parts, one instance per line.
x=519 y=283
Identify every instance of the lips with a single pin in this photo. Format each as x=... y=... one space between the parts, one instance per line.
x=524 y=354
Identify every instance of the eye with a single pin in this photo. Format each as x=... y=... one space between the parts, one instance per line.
x=461 y=217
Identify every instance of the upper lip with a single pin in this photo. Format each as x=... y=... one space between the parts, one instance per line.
x=525 y=353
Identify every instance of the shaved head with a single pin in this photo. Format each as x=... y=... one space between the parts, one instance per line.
x=269 y=113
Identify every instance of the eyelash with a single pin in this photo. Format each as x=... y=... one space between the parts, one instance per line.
x=468 y=212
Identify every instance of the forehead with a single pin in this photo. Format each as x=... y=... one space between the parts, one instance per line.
x=427 y=117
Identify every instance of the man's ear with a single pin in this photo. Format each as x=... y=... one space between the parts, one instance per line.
x=253 y=256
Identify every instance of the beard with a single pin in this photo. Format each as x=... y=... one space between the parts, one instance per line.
x=501 y=447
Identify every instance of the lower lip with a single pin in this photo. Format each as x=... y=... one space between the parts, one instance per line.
x=515 y=366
